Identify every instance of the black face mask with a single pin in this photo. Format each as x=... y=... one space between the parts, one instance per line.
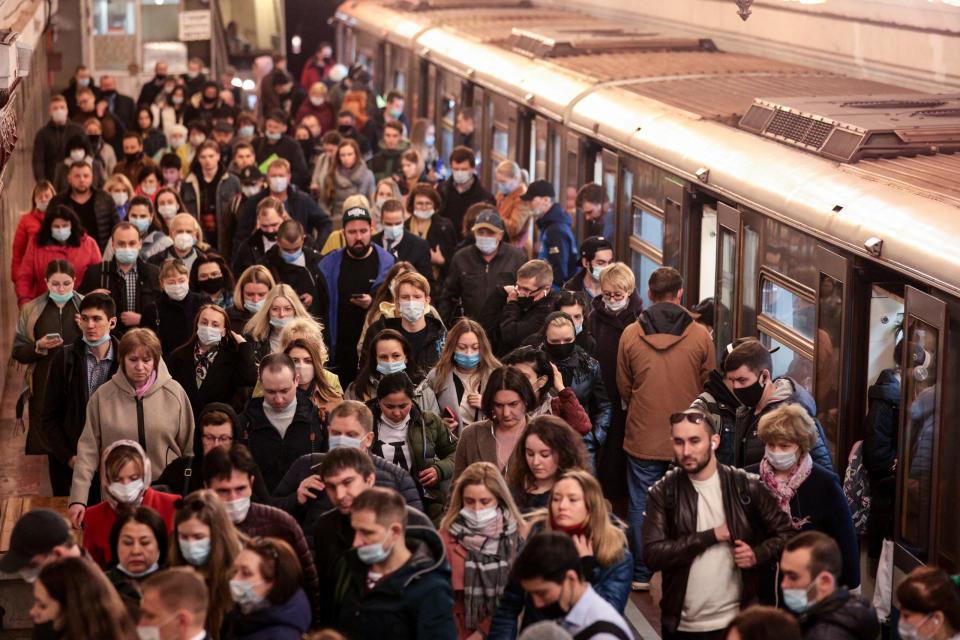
x=750 y=396
x=552 y=611
x=133 y=157
x=345 y=128
x=209 y=100
x=160 y=77
x=595 y=227
x=211 y=285
x=272 y=236
x=94 y=139
x=560 y=352
x=109 y=94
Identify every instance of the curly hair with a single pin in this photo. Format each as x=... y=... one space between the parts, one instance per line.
x=789 y=422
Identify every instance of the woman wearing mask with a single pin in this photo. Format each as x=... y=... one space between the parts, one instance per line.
x=554 y=397
x=548 y=448
x=211 y=276
x=153 y=230
x=323 y=386
x=266 y=587
x=168 y=204
x=149 y=181
x=176 y=139
x=30 y=223
x=580 y=372
x=246 y=128
x=461 y=374
x=929 y=605
x=423 y=138
x=138 y=540
x=120 y=189
x=171 y=315
x=125 y=473
x=382 y=305
x=45 y=324
x=809 y=494
x=204 y=538
x=414 y=440
x=61 y=237
x=614 y=310
x=389 y=352
x=77 y=149
x=347 y=176
x=515 y=215
x=480 y=531
x=251 y=290
x=153 y=139
x=279 y=307
x=141 y=402
x=422 y=204
x=214 y=363
x=317 y=105
x=73 y=599
x=387 y=189
x=411 y=170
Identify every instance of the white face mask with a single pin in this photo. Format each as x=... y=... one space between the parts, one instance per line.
x=411 y=310
x=237 y=509
x=279 y=183
x=462 y=176
x=177 y=291
x=316 y=101
x=251 y=190
x=423 y=214
x=209 y=336
x=59 y=116
x=126 y=493
x=780 y=460
x=119 y=198
x=30 y=575
x=167 y=211
x=183 y=241
x=617 y=306
x=478 y=519
x=77 y=155
x=153 y=632
x=176 y=142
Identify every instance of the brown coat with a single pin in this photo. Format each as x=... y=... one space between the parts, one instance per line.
x=516 y=218
x=659 y=374
x=477 y=444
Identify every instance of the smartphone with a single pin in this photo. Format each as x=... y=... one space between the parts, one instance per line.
x=449 y=413
x=356 y=295
x=52 y=336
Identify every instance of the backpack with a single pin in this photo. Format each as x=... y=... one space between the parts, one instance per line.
x=355 y=101
x=601 y=626
x=856 y=488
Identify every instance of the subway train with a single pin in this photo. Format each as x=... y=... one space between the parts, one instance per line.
x=820 y=211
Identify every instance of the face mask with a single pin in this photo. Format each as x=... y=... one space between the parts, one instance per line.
x=292 y=257
x=577 y=328
x=132 y=157
x=393 y=232
x=750 y=396
x=177 y=100
x=61 y=234
x=486 y=244
x=246 y=131
x=142 y=224
x=386 y=368
x=411 y=310
x=126 y=493
x=128 y=256
x=780 y=460
x=149 y=189
x=595 y=272
x=237 y=509
x=77 y=155
x=618 y=306
x=192 y=74
x=279 y=183
x=560 y=351
x=908 y=631
x=252 y=307
x=176 y=143
x=462 y=176
x=196 y=141
x=153 y=632
x=83 y=82
x=184 y=241
x=273 y=136
x=396 y=113
x=316 y=101
x=30 y=575
x=42 y=206
x=167 y=211
x=209 y=336
x=60 y=298
x=270 y=235
x=195 y=552
x=251 y=190
x=243 y=594
x=94 y=139
x=211 y=285
x=177 y=291
x=97 y=343
x=504 y=187
x=466 y=360
x=373 y=553
x=423 y=214
x=430 y=140
x=59 y=116
x=552 y=611
x=280 y=323
x=344 y=441
x=478 y=519
x=796 y=599
x=138 y=574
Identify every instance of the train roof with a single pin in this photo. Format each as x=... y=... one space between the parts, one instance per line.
x=676 y=103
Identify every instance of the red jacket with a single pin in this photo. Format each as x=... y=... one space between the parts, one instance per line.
x=324 y=114
x=31 y=276
x=27 y=228
x=99 y=519
x=457 y=557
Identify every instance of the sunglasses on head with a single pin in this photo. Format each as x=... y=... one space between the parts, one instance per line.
x=692 y=416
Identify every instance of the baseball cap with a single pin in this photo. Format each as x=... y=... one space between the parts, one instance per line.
x=489 y=220
x=250 y=175
x=356 y=213
x=36 y=532
x=538 y=189
x=590 y=246
x=223 y=126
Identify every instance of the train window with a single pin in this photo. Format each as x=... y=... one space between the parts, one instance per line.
x=556 y=174
x=501 y=142
x=643 y=268
x=708 y=252
x=751 y=247
x=646 y=242
x=788 y=362
x=626 y=193
x=539 y=149
x=725 y=302
x=648 y=227
x=399 y=81
x=448 y=106
x=787 y=308
x=114 y=17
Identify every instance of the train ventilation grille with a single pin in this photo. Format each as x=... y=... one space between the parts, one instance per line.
x=849 y=128
x=573 y=40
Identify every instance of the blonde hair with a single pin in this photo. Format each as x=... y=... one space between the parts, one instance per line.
x=488 y=475
x=305 y=329
x=283 y=163
x=118 y=180
x=488 y=361
x=118 y=458
x=172 y=266
x=413 y=156
x=619 y=276
x=356 y=200
x=412 y=278
x=254 y=274
x=391 y=184
x=509 y=168
x=258 y=327
x=789 y=422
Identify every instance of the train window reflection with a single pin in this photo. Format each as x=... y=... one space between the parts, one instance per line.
x=643 y=268
x=708 y=252
x=725 y=303
x=829 y=328
x=648 y=227
x=114 y=17
x=751 y=245
x=501 y=142
x=787 y=308
x=790 y=363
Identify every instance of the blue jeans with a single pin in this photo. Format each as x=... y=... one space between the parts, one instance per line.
x=641 y=475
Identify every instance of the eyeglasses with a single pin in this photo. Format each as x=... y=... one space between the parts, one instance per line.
x=523 y=291
x=218 y=439
x=694 y=417
x=614 y=296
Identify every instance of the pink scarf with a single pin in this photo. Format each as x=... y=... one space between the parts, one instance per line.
x=786 y=489
x=146 y=385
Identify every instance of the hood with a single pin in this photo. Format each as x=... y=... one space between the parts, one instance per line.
x=886 y=388
x=147 y=472
x=428 y=553
x=665 y=317
x=715 y=386
x=555 y=214
x=851 y=613
x=786 y=390
x=123 y=383
x=294 y=614
x=227 y=409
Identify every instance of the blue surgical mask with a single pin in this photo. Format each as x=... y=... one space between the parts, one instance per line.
x=280 y=323
x=142 y=224
x=292 y=257
x=97 y=343
x=577 y=328
x=466 y=360
x=393 y=232
x=273 y=136
x=430 y=140
x=373 y=553
x=195 y=552
x=486 y=244
x=138 y=574
x=797 y=600
x=127 y=256
x=504 y=187
x=246 y=131
x=252 y=307
x=243 y=594
x=61 y=234
x=396 y=113
x=344 y=441
x=595 y=272
x=60 y=298
x=386 y=368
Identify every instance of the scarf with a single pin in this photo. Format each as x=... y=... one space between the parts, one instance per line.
x=786 y=489
x=146 y=385
x=204 y=360
x=575 y=530
x=490 y=552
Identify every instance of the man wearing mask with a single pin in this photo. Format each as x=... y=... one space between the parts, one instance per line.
x=230 y=472
x=132 y=283
x=292 y=262
x=289 y=94
x=810 y=568
x=425 y=333
x=593 y=202
x=352 y=274
x=254 y=250
x=557 y=244
x=118 y=104
x=207 y=106
x=462 y=189
x=596 y=252
x=707 y=529
x=194 y=78
x=205 y=193
x=747 y=370
x=49 y=145
x=81 y=80
x=87 y=107
x=174 y=601
x=223 y=135
x=385 y=163
x=134 y=160
x=399 y=572
x=154 y=86
x=403 y=245
x=298 y=204
x=95 y=208
x=102 y=152
x=478 y=270
x=513 y=312
x=393 y=110
x=251 y=184
x=346 y=127
x=185 y=231
x=274 y=143
x=40 y=537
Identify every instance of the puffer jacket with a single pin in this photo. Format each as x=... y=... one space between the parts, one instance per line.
x=105 y=215
x=718 y=401
x=358 y=181
x=31 y=275
x=287 y=621
x=840 y=616
x=581 y=373
x=27 y=227
x=671 y=541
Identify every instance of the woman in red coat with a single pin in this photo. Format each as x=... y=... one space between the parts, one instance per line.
x=60 y=236
x=125 y=477
x=30 y=223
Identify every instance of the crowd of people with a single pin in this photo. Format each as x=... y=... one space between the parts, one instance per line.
x=298 y=374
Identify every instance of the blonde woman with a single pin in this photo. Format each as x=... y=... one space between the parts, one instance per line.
x=279 y=307
x=411 y=170
x=249 y=293
x=387 y=189
x=323 y=386
x=120 y=189
x=481 y=532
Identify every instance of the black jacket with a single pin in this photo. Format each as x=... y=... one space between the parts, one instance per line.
x=298 y=204
x=508 y=323
x=880 y=454
x=65 y=399
x=288 y=149
x=105 y=276
x=122 y=107
x=841 y=616
x=184 y=475
x=249 y=253
x=305 y=279
x=429 y=353
x=671 y=541
x=49 y=147
x=455 y=204
x=440 y=234
x=413 y=249
x=275 y=454
x=172 y=320
x=718 y=401
x=233 y=368
x=471 y=280
x=104 y=211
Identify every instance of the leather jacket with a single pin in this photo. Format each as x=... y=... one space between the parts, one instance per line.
x=671 y=541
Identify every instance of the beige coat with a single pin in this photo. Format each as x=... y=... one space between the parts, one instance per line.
x=112 y=415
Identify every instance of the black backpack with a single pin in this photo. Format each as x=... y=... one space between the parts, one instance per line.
x=602 y=626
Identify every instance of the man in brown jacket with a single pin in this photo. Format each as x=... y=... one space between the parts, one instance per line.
x=663 y=360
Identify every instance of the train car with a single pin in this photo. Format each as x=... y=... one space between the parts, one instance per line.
x=824 y=222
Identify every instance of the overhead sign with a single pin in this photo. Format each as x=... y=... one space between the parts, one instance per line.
x=194 y=25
